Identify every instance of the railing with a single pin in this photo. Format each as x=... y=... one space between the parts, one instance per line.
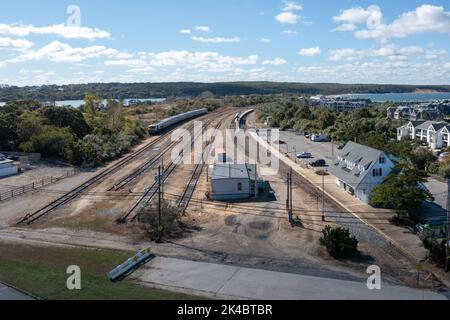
x=19 y=191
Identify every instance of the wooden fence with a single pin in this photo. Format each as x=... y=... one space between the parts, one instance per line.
x=19 y=191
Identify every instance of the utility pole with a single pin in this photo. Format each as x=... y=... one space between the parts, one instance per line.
x=159 y=205
x=323 y=197
x=291 y=210
x=447 y=238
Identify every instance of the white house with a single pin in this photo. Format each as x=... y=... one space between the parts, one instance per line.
x=359 y=169
x=435 y=134
x=7 y=167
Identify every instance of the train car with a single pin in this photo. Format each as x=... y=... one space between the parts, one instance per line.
x=166 y=123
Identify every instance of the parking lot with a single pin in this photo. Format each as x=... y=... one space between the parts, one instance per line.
x=297 y=143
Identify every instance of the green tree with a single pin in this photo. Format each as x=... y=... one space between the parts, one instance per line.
x=339 y=242
x=52 y=142
x=403 y=193
x=63 y=117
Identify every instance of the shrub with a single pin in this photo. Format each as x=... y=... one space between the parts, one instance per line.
x=339 y=242
x=170 y=220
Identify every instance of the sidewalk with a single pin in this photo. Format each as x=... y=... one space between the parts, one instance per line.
x=7 y=293
x=230 y=282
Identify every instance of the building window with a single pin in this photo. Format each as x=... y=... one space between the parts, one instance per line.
x=382 y=160
x=239 y=186
x=377 y=172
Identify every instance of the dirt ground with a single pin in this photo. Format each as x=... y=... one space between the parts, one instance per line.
x=253 y=233
x=35 y=173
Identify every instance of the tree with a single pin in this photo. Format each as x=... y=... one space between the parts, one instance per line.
x=63 y=117
x=92 y=105
x=51 y=142
x=403 y=193
x=422 y=158
x=339 y=242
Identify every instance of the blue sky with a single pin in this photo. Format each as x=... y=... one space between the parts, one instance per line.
x=404 y=41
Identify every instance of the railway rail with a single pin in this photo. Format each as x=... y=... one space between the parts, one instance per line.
x=73 y=194
x=184 y=200
x=132 y=214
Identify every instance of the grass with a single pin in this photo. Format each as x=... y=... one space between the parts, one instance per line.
x=42 y=272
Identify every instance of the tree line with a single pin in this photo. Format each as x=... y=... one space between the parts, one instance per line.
x=88 y=136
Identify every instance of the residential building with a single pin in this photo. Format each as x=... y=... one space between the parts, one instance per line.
x=414 y=113
x=359 y=169
x=434 y=134
x=339 y=104
x=7 y=167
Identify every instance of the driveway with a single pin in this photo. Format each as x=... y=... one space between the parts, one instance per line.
x=224 y=281
x=7 y=293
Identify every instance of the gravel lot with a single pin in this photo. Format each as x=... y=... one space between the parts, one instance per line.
x=35 y=173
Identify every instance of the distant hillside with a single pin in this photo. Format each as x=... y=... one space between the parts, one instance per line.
x=191 y=89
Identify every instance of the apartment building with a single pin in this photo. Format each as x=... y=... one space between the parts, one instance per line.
x=434 y=134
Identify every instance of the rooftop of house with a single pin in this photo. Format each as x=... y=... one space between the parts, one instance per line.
x=234 y=171
x=354 y=162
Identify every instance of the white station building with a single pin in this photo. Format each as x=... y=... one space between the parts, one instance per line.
x=233 y=181
x=7 y=167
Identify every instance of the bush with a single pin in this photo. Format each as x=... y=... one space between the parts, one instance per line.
x=339 y=242
x=170 y=220
x=436 y=250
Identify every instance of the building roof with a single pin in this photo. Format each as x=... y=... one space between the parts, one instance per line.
x=233 y=171
x=361 y=156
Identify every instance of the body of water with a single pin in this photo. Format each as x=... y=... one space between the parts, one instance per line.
x=78 y=103
x=401 y=97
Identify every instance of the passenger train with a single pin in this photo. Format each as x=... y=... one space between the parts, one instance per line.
x=166 y=123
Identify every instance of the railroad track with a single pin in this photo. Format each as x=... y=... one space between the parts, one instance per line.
x=132 y=214
x=71 y=195
x=185 y=199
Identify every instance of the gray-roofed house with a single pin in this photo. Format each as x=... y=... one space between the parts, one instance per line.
x=359 y=169
x=233 y=181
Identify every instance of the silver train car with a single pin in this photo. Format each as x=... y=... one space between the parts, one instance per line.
x=166 y=123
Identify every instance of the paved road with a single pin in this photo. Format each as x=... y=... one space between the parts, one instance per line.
x=223 y=281
x=7 y=293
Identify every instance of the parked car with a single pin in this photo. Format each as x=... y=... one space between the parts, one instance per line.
x=341 y=145
x=304 y=155
x=320 y=138
x=318 y=163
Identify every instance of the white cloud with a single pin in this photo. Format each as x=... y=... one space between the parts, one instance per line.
x=287 y=18
x=216 y=40
x=185 y=31
x=265 y=40
x=275 y=62
x=202 y=28
x=186 y=59
x=401 y=72
x=292 y=6
x=15 y=44
x=68 y=32
x=390 y=52
x=346 y=27
x=309 y=52
x=289 y=32
x=424 y=19
x=357 y=15
x=62 y=52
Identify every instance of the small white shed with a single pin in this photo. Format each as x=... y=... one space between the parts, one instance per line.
x=233 y=181
x=7 y=167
